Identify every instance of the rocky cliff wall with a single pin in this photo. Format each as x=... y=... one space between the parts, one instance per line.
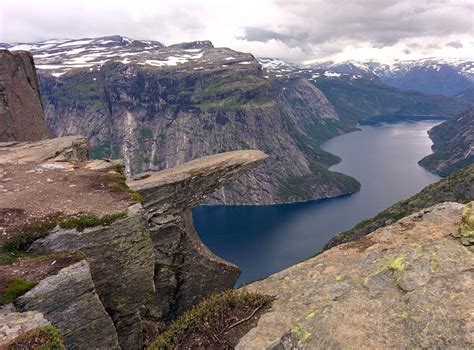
x=157 y=116
x=21 y=109
x=103 y=270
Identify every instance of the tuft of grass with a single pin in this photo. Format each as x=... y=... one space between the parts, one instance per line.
x=44 y=338
x=8 y=257
x=82 y=222
x=118 y=182
x=15 y=288
x=209 y=317
x=29 y=234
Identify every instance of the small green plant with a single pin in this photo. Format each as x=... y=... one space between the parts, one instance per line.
x=16 y=287
x=45 y=338
x=118 y=182
x=29 y=234
x=210 y=315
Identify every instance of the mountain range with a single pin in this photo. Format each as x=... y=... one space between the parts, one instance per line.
x=159 y=106
x=440 y=76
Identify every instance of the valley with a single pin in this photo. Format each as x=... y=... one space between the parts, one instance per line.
x=290 y=233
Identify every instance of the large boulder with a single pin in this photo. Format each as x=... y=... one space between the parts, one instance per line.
x=69 y=301
x=122 y=267
x=404 y=286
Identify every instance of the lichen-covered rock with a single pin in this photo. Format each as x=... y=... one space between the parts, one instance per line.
x=405 y=286
x=21 y=109
x=69 y=301
x=14 y=324
x=122 y=267
x=466 y=229
x=185 y=270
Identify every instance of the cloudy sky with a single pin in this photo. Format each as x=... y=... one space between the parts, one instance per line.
x=298 y=30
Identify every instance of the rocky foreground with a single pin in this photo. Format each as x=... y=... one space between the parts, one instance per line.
x=404 y=286
x=104 y=262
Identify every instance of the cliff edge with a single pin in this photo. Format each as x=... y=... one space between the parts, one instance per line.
x=105 y=262
x=407 y=285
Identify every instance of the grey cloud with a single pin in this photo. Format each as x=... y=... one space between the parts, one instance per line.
x=456 y=44
x=263 y=35
x=379 y=23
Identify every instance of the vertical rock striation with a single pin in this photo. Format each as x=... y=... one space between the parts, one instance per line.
x=68 y=300
x=122 y=267
x=21 y=109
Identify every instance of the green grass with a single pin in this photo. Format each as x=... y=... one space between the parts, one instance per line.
x=44 y=338
x=15 y=288
x=146 y=133
x=118 y=182
x=22 y=241
x=8 y=257
x=207 y=316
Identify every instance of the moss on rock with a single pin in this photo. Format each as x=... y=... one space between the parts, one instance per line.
x=16 y=287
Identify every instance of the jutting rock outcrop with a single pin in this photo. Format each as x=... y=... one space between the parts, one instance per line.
x=21 y=109
x=407 y=285
x=103 y=262
x=183 y=264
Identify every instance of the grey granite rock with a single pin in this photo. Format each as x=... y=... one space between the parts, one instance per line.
x=68 y=300
x=14 y=324
x=404 y=286
x=122 y=266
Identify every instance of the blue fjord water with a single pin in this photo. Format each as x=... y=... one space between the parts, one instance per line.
x=262 y=240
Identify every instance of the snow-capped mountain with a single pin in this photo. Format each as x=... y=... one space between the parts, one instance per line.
x=282 y=69
x=431 y=75
x=59 y=57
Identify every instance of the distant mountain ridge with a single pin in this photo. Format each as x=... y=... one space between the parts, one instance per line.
x=159 y=106
x=431 y=75
x=358 y=93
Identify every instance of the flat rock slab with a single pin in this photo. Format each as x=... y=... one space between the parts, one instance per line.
x=48 y=178
x=198 y=178
x=408 y=285
x=68 y=148
x=200 y=167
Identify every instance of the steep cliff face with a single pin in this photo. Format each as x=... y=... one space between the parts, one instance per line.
x=407 y=285
x=162 y=107
x=101 y=268
x=453 y=145
x=21 y=109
